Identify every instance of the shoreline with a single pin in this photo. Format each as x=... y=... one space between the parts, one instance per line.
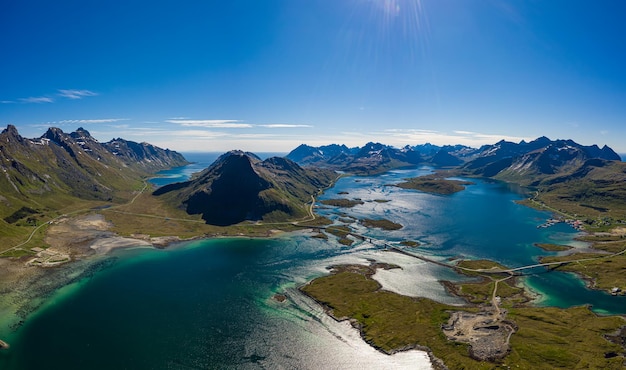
x=436 y=363
x=477 y=324
x=26 y=287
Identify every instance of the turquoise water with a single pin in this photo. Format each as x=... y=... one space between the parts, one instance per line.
x=208 y=304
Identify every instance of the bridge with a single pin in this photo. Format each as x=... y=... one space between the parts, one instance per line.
x=492 y=271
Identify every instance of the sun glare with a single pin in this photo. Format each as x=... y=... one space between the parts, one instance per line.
x=400 y=23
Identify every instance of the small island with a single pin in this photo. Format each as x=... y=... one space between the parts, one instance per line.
x=381 y=224
x=342 y=202
x=435 y=184
x=410 y=243
x=553 y=247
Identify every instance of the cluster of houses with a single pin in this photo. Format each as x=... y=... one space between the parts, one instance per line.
x=576 y=224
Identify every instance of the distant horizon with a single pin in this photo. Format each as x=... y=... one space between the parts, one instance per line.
x=621 y=154
x=269 y=75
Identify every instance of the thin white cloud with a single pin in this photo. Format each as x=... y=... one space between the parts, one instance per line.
x=156 y=133
x=284 y=125
x=7 y=102
x=91 y=121
x=469 y=138
x=210 y=123
x=37 y=99
x=198 y=134
x=76 y=94
x=254 y=136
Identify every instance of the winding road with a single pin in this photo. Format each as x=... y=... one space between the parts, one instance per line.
x=32 y=234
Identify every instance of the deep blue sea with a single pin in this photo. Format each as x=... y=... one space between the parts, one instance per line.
x=209 y=304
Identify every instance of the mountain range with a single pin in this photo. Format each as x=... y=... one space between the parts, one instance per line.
x=238 y=186
x=533 y=162
x=57 y=165
x=524 y=162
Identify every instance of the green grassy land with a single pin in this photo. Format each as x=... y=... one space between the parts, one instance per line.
x=341 y=232
x=410 y=243
x=46 y=207
x=553 y=247
x=434 y=184
x=340 y=202
x=547 y=337
x=605 y=273
x=381 y=224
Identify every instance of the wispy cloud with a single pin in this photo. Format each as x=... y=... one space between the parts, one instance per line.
x=229 y=123
x=76 y=94
x=284 y=125
x=7 y=102
x=210 y=123
x=37 y=99
x=63 y=93
x=91 y=121
x=198 y=134
x=253 y=136
x=469 y=138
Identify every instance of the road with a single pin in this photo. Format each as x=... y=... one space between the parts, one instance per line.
x=32 y=234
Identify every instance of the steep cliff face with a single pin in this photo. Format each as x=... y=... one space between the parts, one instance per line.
x=143 y=155
x=371 y=158
x=239 y=187
x=75 y=164
x=308 y=155
x=530 y=163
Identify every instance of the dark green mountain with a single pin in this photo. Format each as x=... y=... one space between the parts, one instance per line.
x=238 y=187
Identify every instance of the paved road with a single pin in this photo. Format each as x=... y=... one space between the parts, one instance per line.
x=32 y=234
x=511 y=271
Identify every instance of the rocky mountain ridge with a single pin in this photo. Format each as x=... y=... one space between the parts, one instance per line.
x=531 y=163
x=75 y=164
x=505 y=160
x=371 y=158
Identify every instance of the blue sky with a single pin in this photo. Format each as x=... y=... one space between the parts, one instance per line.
x=268 y=75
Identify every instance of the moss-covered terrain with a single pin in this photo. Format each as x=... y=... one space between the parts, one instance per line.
x=381 y=224
x=553 y=247
x=342 y=202
x=341 y=232
x=604 y=272
x=434 y=184
x=410 y=243
x=545 y=338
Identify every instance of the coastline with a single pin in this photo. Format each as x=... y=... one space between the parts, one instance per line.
x=368 y=270
x=342 y=294
x=105 y=242
x=26 y=286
